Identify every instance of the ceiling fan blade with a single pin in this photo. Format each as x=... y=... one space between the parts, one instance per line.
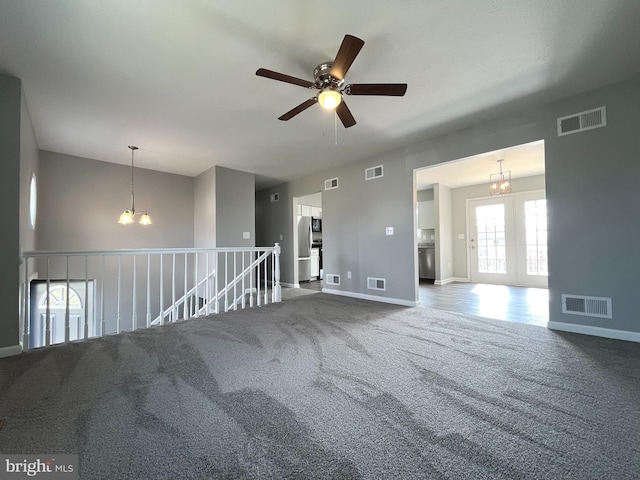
x=388 y=89
x=345 y=115
x=346 y=55
x=300 y=108
x=263 y=72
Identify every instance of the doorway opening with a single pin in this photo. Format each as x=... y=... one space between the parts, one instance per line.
x=482 y=238
x=308 y=248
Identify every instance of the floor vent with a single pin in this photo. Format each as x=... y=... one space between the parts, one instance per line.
x=373 y=172
x=587 y=306
x=376 y=283
x=274 y=197
x=331 y=184
x=579 y=122
x=332 y=279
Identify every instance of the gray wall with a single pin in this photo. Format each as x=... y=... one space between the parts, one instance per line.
x=443 y=207
x=591 y=188
x=10 y=105
x=354 y=219
x=81 y=199
x=235 y=208
x=204 y=209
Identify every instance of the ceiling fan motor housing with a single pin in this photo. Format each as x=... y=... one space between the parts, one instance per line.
x=323 y=77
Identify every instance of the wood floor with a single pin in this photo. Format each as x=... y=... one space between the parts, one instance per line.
x=500 y=302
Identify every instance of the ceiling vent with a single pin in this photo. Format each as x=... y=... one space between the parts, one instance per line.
x=332 y=279
x=274 y=197
x=580 y=122
x=373 y=172
x=587 y=306
x=376 y=283
x=331 y=184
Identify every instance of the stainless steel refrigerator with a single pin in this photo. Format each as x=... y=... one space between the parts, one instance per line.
x=304 y=249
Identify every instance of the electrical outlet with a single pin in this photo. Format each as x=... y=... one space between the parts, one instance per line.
x=246 y=235
x=389 y=230
x=348 y=274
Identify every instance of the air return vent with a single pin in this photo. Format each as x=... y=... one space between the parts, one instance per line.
x=373 y=172
x=587 y=306
x=332 y=279
x=331 y=184
x=274 y=197
x=376 y=283
x=580 y=122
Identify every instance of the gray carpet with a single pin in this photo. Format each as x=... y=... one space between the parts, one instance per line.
x=323 y=386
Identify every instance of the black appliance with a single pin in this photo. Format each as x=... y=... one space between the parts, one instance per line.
x=316 y=224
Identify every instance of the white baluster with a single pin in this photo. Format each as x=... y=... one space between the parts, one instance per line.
x=134 y=298
x=103 y=323
x=277 y=289
x=148 y=290
x=86 y=297
x=67 y=312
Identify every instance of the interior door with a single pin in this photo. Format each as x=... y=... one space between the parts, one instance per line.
x=491 y=241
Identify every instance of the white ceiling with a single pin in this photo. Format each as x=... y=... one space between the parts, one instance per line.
x=178 y=80
x=522 y=161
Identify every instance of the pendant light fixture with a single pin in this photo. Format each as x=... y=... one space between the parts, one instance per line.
x=500 y=183
x=129 y=214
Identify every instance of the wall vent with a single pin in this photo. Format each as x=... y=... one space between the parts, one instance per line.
x=373 y=172
x=331 y=184
x=332 y=279
x=376 y=283
x=579 y=122
x=274 y=197
x=587 y=306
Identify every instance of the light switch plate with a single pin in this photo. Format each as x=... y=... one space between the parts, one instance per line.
x=461 y=236
x=389 y=230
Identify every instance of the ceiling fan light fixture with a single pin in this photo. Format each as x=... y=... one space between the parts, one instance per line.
x=329 y=98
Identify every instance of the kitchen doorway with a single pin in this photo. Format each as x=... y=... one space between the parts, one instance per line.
x=307 y=244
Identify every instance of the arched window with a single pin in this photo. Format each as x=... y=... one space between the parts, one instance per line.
x=58 y=298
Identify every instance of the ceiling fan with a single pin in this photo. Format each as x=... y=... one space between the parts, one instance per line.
x=329 y=79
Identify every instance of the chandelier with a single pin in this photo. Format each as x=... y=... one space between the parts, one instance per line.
x=500 y=183
x=128 y=215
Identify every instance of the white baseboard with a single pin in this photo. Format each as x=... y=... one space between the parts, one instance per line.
x=450 y=280
x=289 y=285
x=374 y=298
x=10 y=351
x=595 y=331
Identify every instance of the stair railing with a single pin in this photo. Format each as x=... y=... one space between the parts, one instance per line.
x=78 y=295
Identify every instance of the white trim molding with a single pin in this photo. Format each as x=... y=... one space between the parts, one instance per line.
x=451 y=280
x=373 y=298
x=595 y=331
x=10 y=351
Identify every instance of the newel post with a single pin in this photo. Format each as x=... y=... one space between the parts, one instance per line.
x=277 y=290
